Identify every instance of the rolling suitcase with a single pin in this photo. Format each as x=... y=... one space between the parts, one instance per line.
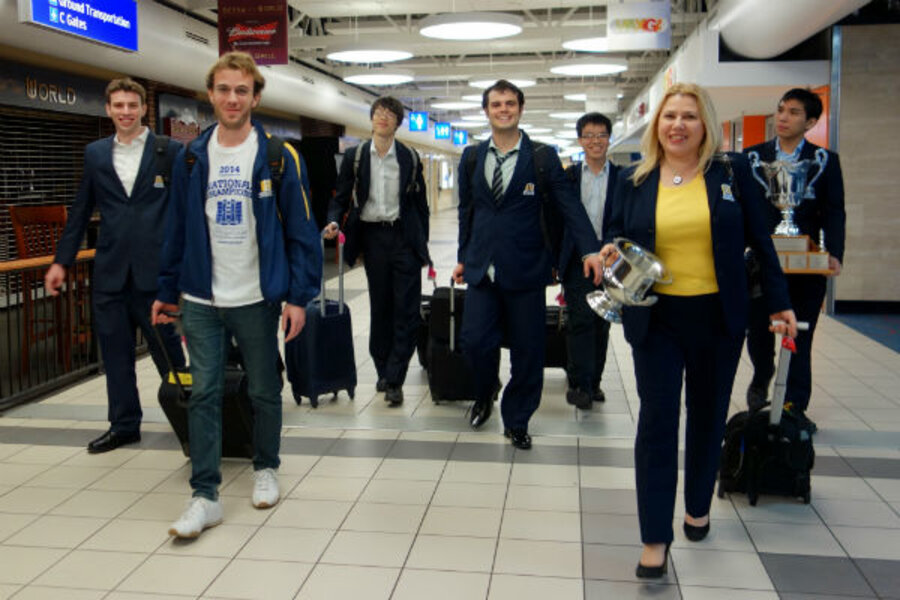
x=768 y=451
x=424 y=320
x=237 y=412
x=449 y=377
x=556 y=353
x=320 y=360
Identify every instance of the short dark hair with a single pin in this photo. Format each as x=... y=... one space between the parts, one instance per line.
x=126 y=84
x=592 y=118
x=502 y=85
x=388 y=103
x=811 y=102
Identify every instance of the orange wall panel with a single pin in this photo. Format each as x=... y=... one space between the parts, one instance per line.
x=754 y=130
x=819 y=134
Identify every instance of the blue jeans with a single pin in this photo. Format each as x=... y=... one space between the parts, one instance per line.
x=255 y=328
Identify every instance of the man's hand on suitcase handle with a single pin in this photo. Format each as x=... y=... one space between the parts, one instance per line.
x=330 y=231
x=293 y=318
x=162 y=312
x=457 y=275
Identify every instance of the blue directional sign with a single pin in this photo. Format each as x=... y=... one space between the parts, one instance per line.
x=460 y=137
x=442 y=131
x=110 y=22
x=418 y=121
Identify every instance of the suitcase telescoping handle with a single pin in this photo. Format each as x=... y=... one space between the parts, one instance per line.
x=788 y=348
x=452 y=315
x=173 y=372
x=340 y=245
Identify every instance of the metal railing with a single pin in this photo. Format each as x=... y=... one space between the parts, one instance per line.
x=46 y=341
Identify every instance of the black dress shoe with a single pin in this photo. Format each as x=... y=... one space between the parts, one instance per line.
x=599 y=396
x=695 y=533
x=394 y=395
x=112 y=440
x=481 y=412
x=519 y=438
x=579 y=398
x=381 y=385
x=645 y=572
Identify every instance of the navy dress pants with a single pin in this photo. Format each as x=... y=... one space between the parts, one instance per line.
x=686 y=342
x=588 y=334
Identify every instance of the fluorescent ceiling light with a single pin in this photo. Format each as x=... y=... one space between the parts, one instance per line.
x=482 y=136
x=590 y=67
x=477 y=118
x=470 y=26
x=486 y=82
x=567 y=134
x=566 y=115
x=456 y=105
x=539 y=130
x=590 y=44
x=472 y=98
x=366 y=53
x=466 y=125
x=378 y=76
x=576 y=97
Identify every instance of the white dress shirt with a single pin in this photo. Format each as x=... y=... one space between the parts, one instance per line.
x=384 y=186
x=127 y=159
x=508 y=166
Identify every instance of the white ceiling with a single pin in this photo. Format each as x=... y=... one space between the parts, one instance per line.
x=442 y=68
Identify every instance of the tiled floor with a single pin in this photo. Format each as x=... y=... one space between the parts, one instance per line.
x=409 y=504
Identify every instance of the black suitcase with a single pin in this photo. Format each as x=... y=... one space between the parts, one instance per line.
x=237 y=412
x=556 y=353
x=320 y=360
x=768 y=451
x=449 y=376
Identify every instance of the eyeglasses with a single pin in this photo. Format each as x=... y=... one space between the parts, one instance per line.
x=594 y=136
x=387 y=115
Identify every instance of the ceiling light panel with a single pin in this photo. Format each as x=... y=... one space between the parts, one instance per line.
x=589 y=44
x=378 y=76
x=590 y=67
x=470 y=26
x=456 y=105
x=486 y=82
x=363 y=55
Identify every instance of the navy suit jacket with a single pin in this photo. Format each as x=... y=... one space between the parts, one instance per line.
x=735 y=224
x=567 y=250
x=508 y=235
x=826 y=211
x=413 y=201
x=131 y=228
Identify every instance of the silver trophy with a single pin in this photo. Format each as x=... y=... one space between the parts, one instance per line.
x=627 y=280
x=786 y=186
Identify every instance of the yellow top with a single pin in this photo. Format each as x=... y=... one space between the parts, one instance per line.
x=684 y=239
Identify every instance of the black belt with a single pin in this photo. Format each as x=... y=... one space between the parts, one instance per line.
x=393 y=223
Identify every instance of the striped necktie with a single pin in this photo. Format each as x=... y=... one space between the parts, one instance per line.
x=497 y=180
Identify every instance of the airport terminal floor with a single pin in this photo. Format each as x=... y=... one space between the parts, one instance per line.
x=409 y=503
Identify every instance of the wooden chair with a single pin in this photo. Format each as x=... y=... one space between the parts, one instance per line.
x=37 y=229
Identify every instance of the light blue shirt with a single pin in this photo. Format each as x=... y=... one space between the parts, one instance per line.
x=593 y=194
x=793 y=156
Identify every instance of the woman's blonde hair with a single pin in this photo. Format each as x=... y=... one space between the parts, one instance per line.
x=652 y=150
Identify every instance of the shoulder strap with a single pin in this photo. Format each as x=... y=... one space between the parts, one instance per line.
x=357 y=156
x=274 y=158
x=163 y=158
x=413 y=185
x=551 y=223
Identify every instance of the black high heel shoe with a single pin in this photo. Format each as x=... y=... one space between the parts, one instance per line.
x=695 y=533
x=645 y=572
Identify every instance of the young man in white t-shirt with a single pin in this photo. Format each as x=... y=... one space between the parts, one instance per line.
x=235 y=250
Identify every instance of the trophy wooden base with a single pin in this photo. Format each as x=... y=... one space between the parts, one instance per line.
x=799 y=255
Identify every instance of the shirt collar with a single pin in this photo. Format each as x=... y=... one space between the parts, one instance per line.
x=391 y=151
x=586 y=169
x=795 y=153
x=139 y=140
x=517 y=147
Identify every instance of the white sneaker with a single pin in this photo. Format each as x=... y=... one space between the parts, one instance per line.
x=265 y=488
x=199 y=515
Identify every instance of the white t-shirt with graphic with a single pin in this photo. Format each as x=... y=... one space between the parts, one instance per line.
x=232 y=224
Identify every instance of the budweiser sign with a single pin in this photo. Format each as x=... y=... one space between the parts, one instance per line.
x=258 y=28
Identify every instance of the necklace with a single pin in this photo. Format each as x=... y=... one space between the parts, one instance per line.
x=677 y=179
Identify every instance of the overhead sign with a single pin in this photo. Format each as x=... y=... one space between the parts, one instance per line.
x=460 y=137
x=639 y=26
x=109 y=22
x=418 y=121
x=45 y=89
x=258 y=28
x=442 y=131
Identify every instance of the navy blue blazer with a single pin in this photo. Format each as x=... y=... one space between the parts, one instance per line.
x=414 y=211
x=567 y=250
x=131 y=229
x=508 y=235
x=737 y=220
x=826 y=211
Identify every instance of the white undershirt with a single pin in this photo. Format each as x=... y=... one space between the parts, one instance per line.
x=232 y=224
x=127 y=159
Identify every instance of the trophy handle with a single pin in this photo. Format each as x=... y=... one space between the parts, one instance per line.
x=754 y=163
x=821 y=160
x=648 y=301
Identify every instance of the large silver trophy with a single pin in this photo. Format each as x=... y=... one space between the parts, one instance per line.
x=785 y=184
x=627 y=281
